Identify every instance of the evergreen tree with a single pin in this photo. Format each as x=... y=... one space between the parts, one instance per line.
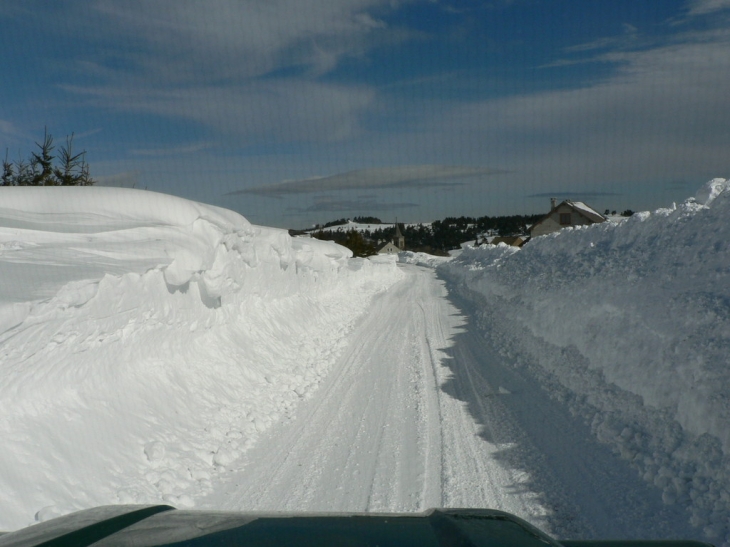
x=45 y=169
x=41 y=163
x=23 y=173
x=8 y=178
x=352 y=239
x=73 y=170
x=357 y=244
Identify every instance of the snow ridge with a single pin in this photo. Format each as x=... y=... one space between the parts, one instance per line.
x=629 y=325
x=146 y=341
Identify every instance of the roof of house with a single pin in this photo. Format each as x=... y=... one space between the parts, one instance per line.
x=585 y=210
x=388 y=246
x=580 y=208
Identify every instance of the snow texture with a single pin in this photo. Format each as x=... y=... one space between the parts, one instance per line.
x=149 y=344
x=629 y=325
x=422 y=259
x=146 y=341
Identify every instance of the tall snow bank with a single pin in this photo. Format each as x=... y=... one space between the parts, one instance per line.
x=147 y=340
x=630 y=324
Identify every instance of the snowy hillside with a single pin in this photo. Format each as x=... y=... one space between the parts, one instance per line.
x=146 y=341
x=361 y=227
x=629 y=325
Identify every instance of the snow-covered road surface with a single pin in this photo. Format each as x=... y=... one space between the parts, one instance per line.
x=379 y=434
x=417 y=413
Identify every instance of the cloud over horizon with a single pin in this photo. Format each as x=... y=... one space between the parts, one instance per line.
x=573 y=194
x=332 y=205
x=377 y=177
x=659 y=113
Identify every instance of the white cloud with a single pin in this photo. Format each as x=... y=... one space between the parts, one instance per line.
x=179 y=41
x=282 y=110
x=10 y=133
x=87 y=133
x=330 y=205
x=172 y=151
x=380 y=177
x=250 y=68
x=702 y=7
x=129 y=179
x=661 y=114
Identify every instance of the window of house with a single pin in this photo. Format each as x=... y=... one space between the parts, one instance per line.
x=564 y=219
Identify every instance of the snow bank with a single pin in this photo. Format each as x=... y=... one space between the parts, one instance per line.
x=629 y=324
x=422 y=259
x=146 y=341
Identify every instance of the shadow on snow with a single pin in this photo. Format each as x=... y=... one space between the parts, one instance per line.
x=586 y=489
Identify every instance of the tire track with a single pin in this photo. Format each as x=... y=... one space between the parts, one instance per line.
x=379 y=433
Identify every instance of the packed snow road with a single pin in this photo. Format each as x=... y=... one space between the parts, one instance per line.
x=379 y=434
x=418 y=413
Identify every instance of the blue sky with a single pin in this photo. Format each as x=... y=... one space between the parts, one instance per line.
x=300 y=111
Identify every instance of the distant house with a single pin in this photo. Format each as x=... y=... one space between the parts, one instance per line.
x=514 y=241
x=397 y=245
x=568 y=213
x=388 y=249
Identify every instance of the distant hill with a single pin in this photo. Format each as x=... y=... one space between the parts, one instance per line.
x=436 y=237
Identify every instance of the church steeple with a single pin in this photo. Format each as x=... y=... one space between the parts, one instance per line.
x=398 y=240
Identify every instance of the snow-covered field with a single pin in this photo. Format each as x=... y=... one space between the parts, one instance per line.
x=629 y=325
x=146 y=341
x=154 y=349
x=362 y=227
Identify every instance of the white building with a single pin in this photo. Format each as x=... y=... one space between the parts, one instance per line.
x=568 y=213
x=397 y=245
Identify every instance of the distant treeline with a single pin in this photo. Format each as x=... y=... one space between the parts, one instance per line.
x=447 y=234
x=626 y=213
x=437 y=238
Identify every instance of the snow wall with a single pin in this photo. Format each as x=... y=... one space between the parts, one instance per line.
x=147 y=340
x=629 y=324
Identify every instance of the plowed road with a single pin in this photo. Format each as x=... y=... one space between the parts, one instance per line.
x=418 y=412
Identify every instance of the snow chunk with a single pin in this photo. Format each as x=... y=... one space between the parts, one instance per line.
x=711 y=190
x=154 y=451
